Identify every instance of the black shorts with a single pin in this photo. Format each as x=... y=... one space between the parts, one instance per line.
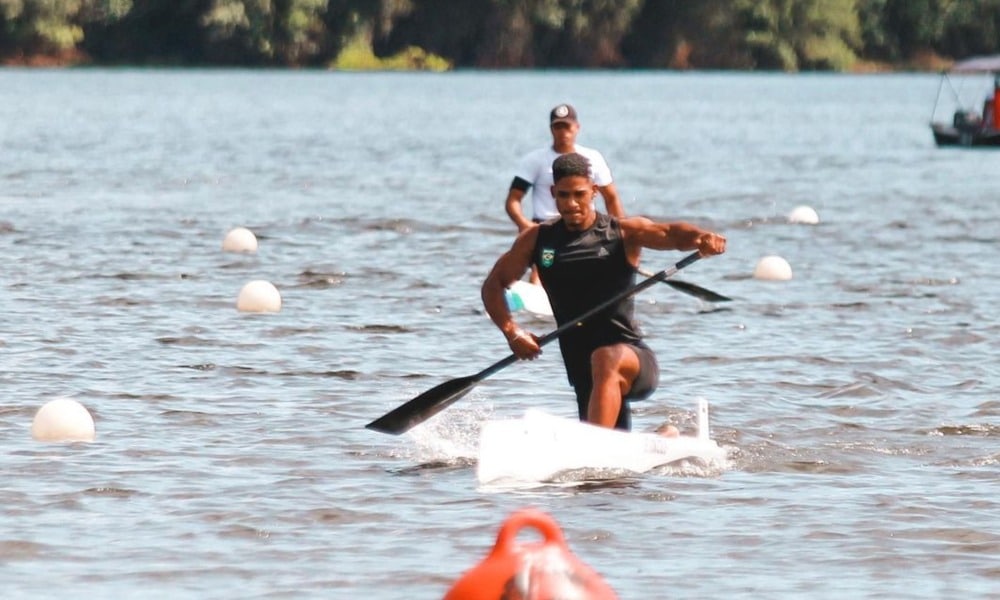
x=643 y=387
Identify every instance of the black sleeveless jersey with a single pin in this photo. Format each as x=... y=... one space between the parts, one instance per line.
x=580 y=270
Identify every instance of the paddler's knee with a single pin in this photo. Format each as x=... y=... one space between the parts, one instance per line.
x=668 y=430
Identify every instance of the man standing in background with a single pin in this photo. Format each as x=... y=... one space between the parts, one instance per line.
x=535 y=173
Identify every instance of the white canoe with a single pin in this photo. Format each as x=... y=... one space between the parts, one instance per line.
x=539 y=447
x=524 y=295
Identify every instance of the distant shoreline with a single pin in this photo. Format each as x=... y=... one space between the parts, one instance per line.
x=926 y=63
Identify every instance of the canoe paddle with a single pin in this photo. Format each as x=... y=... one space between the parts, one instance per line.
x=426 y=405
x=689 y=288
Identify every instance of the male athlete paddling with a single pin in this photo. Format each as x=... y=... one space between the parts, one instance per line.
x=585 y=258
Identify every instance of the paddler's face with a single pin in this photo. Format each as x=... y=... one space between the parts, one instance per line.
x=574 y=197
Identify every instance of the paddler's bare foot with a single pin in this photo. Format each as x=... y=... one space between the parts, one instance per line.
x=668 y=430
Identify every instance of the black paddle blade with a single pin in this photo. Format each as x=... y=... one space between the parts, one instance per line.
x=696 y=291
x=406 y=416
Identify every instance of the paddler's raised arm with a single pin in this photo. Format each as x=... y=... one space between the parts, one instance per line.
x=640 y=232
x=509 y=268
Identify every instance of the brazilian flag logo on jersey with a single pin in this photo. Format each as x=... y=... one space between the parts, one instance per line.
x=548 y=257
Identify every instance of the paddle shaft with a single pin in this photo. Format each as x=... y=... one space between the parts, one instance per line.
x=689 y=288
x=433 y=401
x=652 y=279
x=548 y=337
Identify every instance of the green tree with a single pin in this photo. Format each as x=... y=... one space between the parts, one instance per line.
x=362 y=25
x=911 y=26
x=969 y=28
x=284 y=32
x=582 y=33
x=239 y=31
x=876 y=41
x=299 y=32
x=682 y=34
x=743 y=34
x=40 y=27
x=508 y=35
x=442 y=27
x=801 y=34
x=150 y=32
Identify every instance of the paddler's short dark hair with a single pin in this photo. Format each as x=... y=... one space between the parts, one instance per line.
x=569 y=165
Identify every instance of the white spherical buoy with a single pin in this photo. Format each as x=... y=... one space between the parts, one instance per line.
x=773 y=268
x=240 y=239
x=63 y=420
x=804 y=215
x=259 y=296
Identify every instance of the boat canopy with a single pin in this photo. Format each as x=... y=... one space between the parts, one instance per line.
x=977 y=64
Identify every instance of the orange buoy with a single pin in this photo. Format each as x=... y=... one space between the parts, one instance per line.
x=543 y=570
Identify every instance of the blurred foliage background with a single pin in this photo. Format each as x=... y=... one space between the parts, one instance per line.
x=778 y=35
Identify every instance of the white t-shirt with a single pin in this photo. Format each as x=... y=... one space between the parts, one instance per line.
x=536 y=169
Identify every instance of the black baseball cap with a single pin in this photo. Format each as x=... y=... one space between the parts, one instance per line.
x=564 y=113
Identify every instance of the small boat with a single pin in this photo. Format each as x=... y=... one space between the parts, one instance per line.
x=527 y=296
x=968 y=126
x=540 y=447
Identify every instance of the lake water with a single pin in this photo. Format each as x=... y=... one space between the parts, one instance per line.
x=859 y=402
